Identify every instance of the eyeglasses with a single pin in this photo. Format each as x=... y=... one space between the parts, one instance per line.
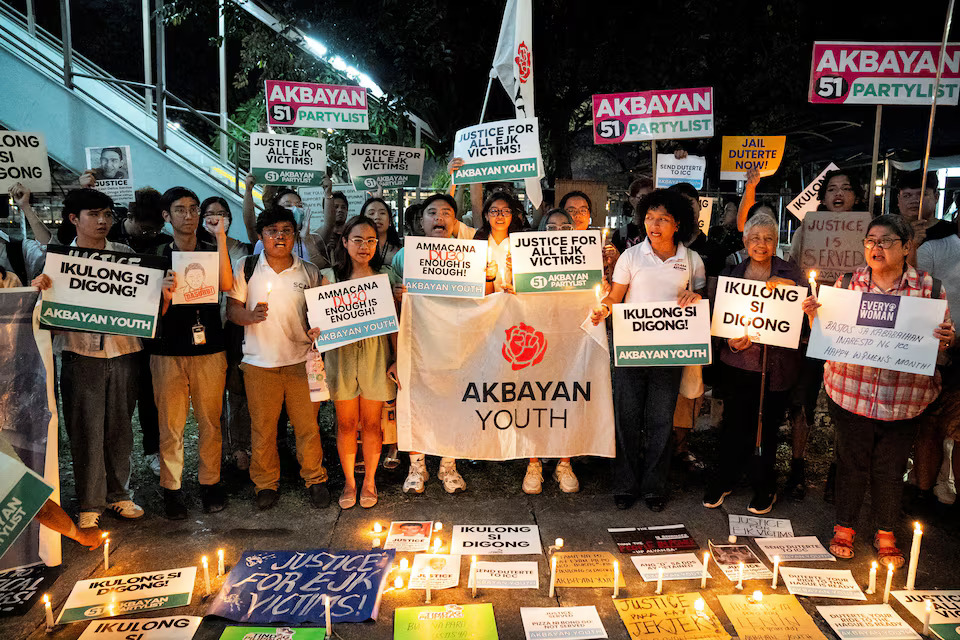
x=884 y=243
x=363 y=242
x=278 y=233
x=582 y=211
x=499 y=213
x=186 y=211
x=559 y=227
x=447 y=215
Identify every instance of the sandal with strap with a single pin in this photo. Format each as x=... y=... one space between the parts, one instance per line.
x=842 y=543
x=887 y=553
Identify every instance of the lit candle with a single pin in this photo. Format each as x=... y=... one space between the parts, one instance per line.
x=732 y=539
x=740 y=576
x=436 y=545
x=376 y=542
x=558 y=543
x=927 y=610
x=221 y=569
x=746 y=327
x=206 y=575
x=757 y=597
x=438 y=526
x=553 y=575
x=404 y=564
x=326 y=616
x=427 y=585
x=659 y=580
x=704 y=575
x=112 y=609
x=813 y=282
x=603 y=242
x=269 y=289
x=377 y=527
x=48 y=609
x=597 y=292
x=398 y=583
x=699 y=605
x=914 y=556
x=872 y=586
x=473 y=575
x=886 y=589
x=616 y=579
x=776 y=570
x=106 y=554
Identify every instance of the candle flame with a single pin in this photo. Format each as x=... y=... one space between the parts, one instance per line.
x=438 y=526
x=928 y=605
x=813 y=275
x=269 y=287
x=377 y=527
x=558 y=543
x=404 y=563
x=873 y=565
x=398 y=583
x=757 y=596
x=699 y=605
x=46 y=598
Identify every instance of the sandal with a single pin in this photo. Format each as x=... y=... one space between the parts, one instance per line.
x=887 y=553
x=347 y=500
x=367 y=500
x=392 y=458
x=842 y=543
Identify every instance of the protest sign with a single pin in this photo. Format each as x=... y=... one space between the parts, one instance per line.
x=449 y=622
x=831 y=243
x=173 y=628
x=20 y=587
x=808 y=199
x=22 y=494
x=377 y=166
x=729 y=556
x=754 y=527
x=653 y=115
x=545 y=261
x=669 y=617
x=877 y=330
x=444 y=571
x=409 y=536
x=671 y=171
x=655 y=334
x=586 y=569
x=507 y=575
x=497 y=539
x=874 y=621
x=445 y=266
x=667 y=538
x=147 y=261
x=561 y=623
x=288 y=160
x=802 y=549
x=113 y=170
x=776 y=616
x=769 y=316
x=198 y=277
x=496 y=151
x=288 y=586
x=317 y=106
x=825 y=583
x=315 y=201
x=351 y=311
x=676 y=566
x=883 y=73
x=23 y=159
x=273 y=633
x=129 y=593
x=945 y=616
x=740 y=153
x=706 y=214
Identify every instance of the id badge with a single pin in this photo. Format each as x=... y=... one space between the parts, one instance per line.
x=199 y=335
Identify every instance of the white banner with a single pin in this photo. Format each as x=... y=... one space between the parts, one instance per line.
x=173 y=628
x=504 y=377
x=661 y=334
x=768 y=316
x=288 y=160
x=198 y=277
x=128 y=593
x=375 y=166
x=113 y=171
x=351 y=311
x=545 y=261
x=671 y=171
x=497 y=151
x=445 y=266
x=808 y=199
x=496 y=539
x=23 y=159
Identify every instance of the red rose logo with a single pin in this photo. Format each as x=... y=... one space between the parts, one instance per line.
x=524 y=346
x=524 y=62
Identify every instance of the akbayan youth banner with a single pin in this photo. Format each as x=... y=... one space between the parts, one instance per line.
x=653 y=115
x=504 y=377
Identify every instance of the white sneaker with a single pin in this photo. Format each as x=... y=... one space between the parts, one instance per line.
x=566 y=478
x=153 y=461
x=416 y=477
x=88 y=519
x=450 y=477
x=126 y=509
x=533 y=480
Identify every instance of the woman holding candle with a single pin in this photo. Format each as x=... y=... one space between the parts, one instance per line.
x=876 y=410
x=501 y=215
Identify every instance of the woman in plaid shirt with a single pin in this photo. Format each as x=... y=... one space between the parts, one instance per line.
x=875 y=410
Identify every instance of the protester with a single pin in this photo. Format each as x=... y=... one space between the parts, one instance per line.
x=739 y=255
x=213 y=210
x=411 y=220
x=389 y=240
x=23 y=259
x=876 y=411
x=578 y=206
x=658 y=269
x=926 y=225
x=461 y=230
x=501 y=217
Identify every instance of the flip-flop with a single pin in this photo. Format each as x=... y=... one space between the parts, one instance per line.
x=348 y=500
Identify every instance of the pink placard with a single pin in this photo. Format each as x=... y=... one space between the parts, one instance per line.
x=653 y=115
x=321 y=106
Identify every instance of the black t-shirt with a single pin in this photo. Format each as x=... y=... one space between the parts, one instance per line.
x=175 y=331
x=139 y=245
x=621 y=243
x=942 y=229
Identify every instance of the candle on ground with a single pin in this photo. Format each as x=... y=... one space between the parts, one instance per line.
x=436 y=545
x=872 y=585
x=427 y=585
x=659 y=580
x=106 y=554
x=705 y=575
x=886 y=589
x=740 y=577
x=927 y=610
x=699 y=606
x=376 y=542
x=221 y=568
x=473 y=575
x=757 y=597
x=438 y=526
x=776 y=570
x=616 y=579
x=404 y=564
x=398 y=583
x=914 y=556
x=732 y=539
x=553 y=574
x=48 y=609
x=326 y=616
x=558 y=543
x=377 y=527
x=206 y=575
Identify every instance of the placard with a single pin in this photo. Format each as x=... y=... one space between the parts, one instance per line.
x=876 y=621
x=741 y=153
x=317 y=106
x=658 y=334
x=883 y=73
x=23 y=159
x=545 y=261
x=507 y=575
x=945 y=616
x=409 y=536
x=706 y=214
x=832 y=243
x=445 y=267
x=113 y=171
x=288 y=160
x=173 y=628
x=315 y=201
x=671 y=171
x=444 y=571
x=449 y=622
x=198 y=277
x=129 y=593
x=802 y=549
x=776 y=616
x=653 y=115
x=496 y=539
x=677 y=566
x=20 y=587
x=877 y=330
x=498 y=151
x=273 y=633
x=561 y=623
x=808 y=199
x=288 y=586
x=729 y=556
x=377 y=166
x=586 y=569
x=769 y=316
x=659 y=539
x=669 y=617
x=22 y=494
x=351 y=311
x=754 y=527
x=822 y=583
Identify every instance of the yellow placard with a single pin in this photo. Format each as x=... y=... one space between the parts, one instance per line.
x=741 y=153
x=775 y=616
x=669 y=617
x=587 y=569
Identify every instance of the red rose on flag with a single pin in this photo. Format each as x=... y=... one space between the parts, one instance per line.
x=524 y=62
x=524 y=346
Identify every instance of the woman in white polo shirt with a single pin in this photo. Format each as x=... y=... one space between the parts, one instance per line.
x=658 y=269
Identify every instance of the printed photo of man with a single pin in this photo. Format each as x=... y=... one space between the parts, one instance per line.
x=112 y=164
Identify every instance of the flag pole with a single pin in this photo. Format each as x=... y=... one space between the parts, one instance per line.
x=933 y=106
x=486 y=96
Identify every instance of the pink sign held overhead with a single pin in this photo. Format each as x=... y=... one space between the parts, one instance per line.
x=653 y=115
x=318 y=106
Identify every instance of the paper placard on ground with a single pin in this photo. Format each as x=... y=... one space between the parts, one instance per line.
x=497 y=151
x=586 y=569
x=754 y=527
x=561 y=623
x=113 y=170
x=545 y=261
x=671 y=171
x=20 y=587
x=409 y=536
x=802 y=549
x=676 y=566
x=873 y=621
x=808 y=199
x=740 y=153
x=777 y=616
x=877 y=330
x=945 y=617
x=669 y=617
x=444 y=571
x=507 y=575
x=273 y=633
x=822 y=583
x=445 y=266
x=23 y=159
x=172 y=628
x=288 y=160
x=316 y=106
x=22 y=494
x=729 y=556
x=769 y=316
x=449 y=622
x=376 y=166
x=133 y=592
x=495 y=539
x=351 y=311
x=659 y=539
x=661 y=334
x=198 y=277
x=653 y=115
x=831 y=243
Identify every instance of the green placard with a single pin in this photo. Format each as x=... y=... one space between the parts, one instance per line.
x=68 y=316
x=450 y=622
x=124 y=607
x=498 y=170
x=663 y=355
x=24 y=494
x=273 y=633
x=557 y=281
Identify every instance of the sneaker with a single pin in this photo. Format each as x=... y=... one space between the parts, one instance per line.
x=416 y=476
x=173 y=507
x=450 y=477
x=266 y=499
x=88 y=519
x=713 y=498
x=533 y=479
x=566 y=478
x=153 y=461
x=762 y=503
x=212 y=497
x=126 y=509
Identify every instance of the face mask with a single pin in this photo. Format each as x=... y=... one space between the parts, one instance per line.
x=298 y=213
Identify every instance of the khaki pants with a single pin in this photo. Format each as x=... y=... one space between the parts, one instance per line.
x=179 y=381
x=267 y=390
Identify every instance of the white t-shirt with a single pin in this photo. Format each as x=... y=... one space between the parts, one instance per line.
x=465 y=232
x=941 y=259
x=499 y=254
x=650 y=279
